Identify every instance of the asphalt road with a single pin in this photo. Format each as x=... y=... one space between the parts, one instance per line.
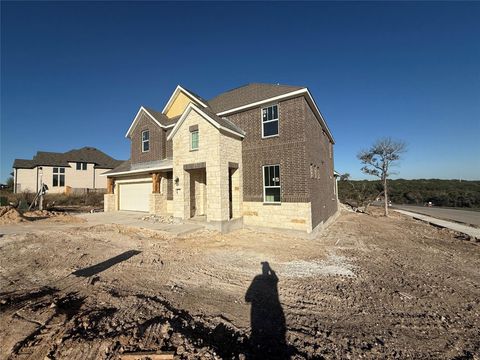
x=463 y=216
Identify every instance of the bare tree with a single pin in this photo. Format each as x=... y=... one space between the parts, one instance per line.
x=379 y=159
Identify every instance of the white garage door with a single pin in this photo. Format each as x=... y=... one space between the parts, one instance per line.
x=135 y=196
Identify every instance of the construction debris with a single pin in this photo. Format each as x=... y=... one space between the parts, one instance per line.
x=159 y=219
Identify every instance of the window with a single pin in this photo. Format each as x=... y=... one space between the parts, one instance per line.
x=194 y=140
x=271 y=183
x=81 y=166
x=145 y=141
x=58 y=176
x=270 y=121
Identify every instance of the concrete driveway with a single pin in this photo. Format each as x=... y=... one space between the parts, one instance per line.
x=126 y=218
x=134 y=219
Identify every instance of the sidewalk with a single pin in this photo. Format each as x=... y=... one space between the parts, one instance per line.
x=474 y=233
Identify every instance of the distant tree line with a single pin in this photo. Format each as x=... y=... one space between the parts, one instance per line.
x=451 y=193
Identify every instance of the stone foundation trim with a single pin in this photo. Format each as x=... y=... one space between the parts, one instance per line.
x=290 y=216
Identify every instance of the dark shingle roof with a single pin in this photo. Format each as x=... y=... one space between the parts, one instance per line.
x=23 y=164
x=162 y=118
x=85 y=154
x=92 y=155
x=124 y=166
x=248 y=94
x=196 y=95
x=223 y=121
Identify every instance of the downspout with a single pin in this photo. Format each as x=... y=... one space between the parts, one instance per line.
x=15 y=181
x=94 y=176
x=37 y=179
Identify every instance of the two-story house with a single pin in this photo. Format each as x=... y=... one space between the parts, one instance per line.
x=72 y=171
x=258 y=155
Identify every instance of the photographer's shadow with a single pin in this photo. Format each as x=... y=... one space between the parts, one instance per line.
x=268 y=329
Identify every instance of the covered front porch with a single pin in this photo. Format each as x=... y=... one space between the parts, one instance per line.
x=207 y=170
x=208 y=193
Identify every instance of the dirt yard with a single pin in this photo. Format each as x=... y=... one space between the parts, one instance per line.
x=369 y=287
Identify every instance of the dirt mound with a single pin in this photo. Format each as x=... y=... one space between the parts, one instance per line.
x=53 y=216
x=10 y=215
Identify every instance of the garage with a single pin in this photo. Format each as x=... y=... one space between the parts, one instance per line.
x=135 y=196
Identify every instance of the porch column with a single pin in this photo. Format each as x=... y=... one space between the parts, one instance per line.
x=155 y=183
x=110 y=185
x=158 y=199
x=110 y=198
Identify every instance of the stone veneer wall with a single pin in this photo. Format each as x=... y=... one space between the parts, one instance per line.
x=216 y=150
x=109 y=202
x=158 y=204
x=293 y=216
x=169 y=206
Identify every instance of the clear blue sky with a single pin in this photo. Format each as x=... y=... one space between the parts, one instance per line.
x=74 y=74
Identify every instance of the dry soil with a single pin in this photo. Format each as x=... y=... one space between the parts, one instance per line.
x=368 y=287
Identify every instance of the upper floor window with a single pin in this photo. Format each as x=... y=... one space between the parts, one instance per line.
x=58 y=176
x=81 y=166
x=271 y=183
x=270 y=121
x=145 y=141
x=194 y=140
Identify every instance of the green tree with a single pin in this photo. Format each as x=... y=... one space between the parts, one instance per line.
x=10 y=183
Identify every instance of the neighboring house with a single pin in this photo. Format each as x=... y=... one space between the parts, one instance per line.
x=258 y=155
x=75 y=170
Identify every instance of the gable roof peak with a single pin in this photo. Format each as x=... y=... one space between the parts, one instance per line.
x=220 y=123
x=189 y=93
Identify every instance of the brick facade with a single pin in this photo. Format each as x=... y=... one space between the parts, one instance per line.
x=225 y=161
x=287 y=149
x=158 y=141
x=319 y=151
x=300 y=145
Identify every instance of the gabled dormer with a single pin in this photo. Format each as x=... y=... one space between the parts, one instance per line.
x=147 y=134
x=150 y=128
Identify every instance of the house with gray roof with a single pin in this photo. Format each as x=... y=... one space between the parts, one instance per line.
x=257 y=155
x=72 y=171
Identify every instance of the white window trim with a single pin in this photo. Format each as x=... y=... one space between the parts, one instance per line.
x=144 y=141
x=268 y=121
x=271 y=187
x=191 y=140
